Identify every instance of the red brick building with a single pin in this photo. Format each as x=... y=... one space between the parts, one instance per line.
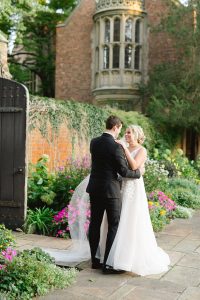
x=105 y=49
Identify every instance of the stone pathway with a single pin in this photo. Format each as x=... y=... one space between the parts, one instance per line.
x=180 y=239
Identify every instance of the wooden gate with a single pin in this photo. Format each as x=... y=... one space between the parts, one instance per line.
x=13 y=122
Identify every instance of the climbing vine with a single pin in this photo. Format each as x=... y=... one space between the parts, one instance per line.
x=82 y=119
x=85 y=119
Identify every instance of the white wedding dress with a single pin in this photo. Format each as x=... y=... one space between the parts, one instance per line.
x=134 y=248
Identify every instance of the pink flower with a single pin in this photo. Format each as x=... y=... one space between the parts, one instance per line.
x=9 y=254
x=2 y=267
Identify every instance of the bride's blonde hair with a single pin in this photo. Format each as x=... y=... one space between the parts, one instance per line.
x=138 y=133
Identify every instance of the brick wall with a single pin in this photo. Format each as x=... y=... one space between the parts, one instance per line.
x=73 y=49
x=73 y=57
x=161 y=47
x=59 y=150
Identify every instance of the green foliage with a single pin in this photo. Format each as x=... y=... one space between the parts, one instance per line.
x=52 y=189
x=184 y=197
x=32 y=273
x=185 y=192
x=38 y=254
x=174 y=86
x=176 y=163
x=85 y=121
x=40 y=184
x=67 y=179
x=34 y=23
x=39 y=221
x=155 y=177
x=197 y=164
x=188 y=184
x=82 y=119
x=182 y=212
x=158 y=217
x=6 y=238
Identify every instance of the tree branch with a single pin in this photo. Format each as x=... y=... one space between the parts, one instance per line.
x=22 y=53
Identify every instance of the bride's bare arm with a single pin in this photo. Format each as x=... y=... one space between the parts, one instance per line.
x=138 y=161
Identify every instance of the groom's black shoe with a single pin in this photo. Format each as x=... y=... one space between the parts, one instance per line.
x=96 y=264
x=109 y=270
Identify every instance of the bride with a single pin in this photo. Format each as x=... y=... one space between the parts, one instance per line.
x=134 y=248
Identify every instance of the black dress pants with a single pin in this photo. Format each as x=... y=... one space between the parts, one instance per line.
x=113 y=209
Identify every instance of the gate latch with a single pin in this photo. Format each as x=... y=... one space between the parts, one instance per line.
x=19 y=170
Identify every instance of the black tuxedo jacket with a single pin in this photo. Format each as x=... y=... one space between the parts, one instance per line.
x=108 y=160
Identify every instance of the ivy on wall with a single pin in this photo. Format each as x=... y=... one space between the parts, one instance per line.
x=84 y=120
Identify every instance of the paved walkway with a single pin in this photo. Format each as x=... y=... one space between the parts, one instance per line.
x=181 y=240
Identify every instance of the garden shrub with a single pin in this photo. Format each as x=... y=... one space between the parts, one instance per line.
x=6 y=238
x=161 y=209
x=176 y=163
x=32 y=273
x=39 y=220
x=184 y=183
x=55 y=189
x=40 y=184
x=155 y=177
x=185 y=197
x=182 y=212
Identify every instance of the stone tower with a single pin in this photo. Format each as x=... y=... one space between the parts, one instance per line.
x=119 y=51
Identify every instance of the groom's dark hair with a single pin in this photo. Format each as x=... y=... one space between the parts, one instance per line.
x=113 y=121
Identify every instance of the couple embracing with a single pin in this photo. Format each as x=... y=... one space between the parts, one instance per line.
x=121 y=236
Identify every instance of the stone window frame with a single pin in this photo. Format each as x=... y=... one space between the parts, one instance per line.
x=137 y=44
x=122 y=44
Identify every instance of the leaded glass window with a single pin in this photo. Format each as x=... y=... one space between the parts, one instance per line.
x=107 y=31
x=128 y=57
x=116 y=35
x=137 y=58
x=116 y=52
x=128 y=30
x=106 y=57
x=137 y=31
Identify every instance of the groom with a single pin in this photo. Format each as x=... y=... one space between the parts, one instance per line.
x=108 y=160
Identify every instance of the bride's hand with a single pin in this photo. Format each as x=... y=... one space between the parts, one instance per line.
x=121 y=143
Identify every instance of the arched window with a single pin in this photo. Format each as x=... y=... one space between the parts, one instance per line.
x=116 y=35
x=106 y=57
x=116 y=51
x=128 y=30
x=137 y=58
x=137 y=31
x=128 y=57
x=107 y=31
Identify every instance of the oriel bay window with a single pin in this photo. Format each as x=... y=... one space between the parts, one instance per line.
x=121 y=43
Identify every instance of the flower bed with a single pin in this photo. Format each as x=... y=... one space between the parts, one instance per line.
x=26 y=274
